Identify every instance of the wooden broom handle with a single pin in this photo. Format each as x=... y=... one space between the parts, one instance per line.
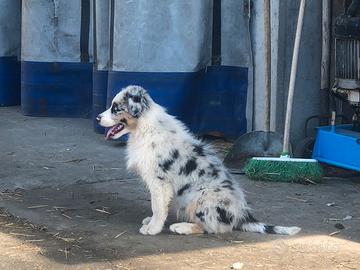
x=293 y=72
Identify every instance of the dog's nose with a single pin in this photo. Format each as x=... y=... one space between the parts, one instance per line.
x=98 y=118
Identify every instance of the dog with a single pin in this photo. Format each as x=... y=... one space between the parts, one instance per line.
x=177 y=166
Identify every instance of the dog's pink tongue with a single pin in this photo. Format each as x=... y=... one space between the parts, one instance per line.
x=113 y=131
x=110 y=133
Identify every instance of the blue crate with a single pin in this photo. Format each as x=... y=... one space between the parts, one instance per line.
x=339 y=146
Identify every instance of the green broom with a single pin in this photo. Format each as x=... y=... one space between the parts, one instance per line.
x=285 y=168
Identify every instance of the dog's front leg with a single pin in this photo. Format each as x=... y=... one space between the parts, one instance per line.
x=161 y=194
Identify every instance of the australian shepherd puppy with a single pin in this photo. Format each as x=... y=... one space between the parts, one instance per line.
x=177 y=166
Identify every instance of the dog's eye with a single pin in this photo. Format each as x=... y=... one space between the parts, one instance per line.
x=115 y=108
x=136 y=99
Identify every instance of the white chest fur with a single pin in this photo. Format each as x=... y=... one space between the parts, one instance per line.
x=141 y=156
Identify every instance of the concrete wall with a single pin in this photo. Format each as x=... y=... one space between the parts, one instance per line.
x=307 y=96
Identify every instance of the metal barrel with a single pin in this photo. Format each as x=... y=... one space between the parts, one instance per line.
x=198 y=72
x=56 y=55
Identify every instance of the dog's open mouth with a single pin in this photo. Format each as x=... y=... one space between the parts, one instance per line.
x=114 y=130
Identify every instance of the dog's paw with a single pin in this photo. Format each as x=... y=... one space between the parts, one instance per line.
x=147 y=229
x=180 y=228
x=146 y=220
x=186 y=228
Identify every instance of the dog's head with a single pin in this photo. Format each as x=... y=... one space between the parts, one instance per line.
x=125 y=110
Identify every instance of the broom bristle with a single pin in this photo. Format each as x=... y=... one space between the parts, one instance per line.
x=283 y=171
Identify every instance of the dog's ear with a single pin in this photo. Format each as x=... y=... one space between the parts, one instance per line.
x=137 y=101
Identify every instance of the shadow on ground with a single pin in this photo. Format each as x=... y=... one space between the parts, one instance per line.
x=102 y=220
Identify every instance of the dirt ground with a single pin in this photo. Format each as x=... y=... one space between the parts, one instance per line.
x=67 y=202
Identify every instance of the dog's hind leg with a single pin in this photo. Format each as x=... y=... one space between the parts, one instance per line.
x=187 y=228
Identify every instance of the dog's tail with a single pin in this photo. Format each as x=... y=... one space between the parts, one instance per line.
x=252 y=225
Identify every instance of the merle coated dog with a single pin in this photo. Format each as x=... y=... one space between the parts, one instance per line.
x=177 y=166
